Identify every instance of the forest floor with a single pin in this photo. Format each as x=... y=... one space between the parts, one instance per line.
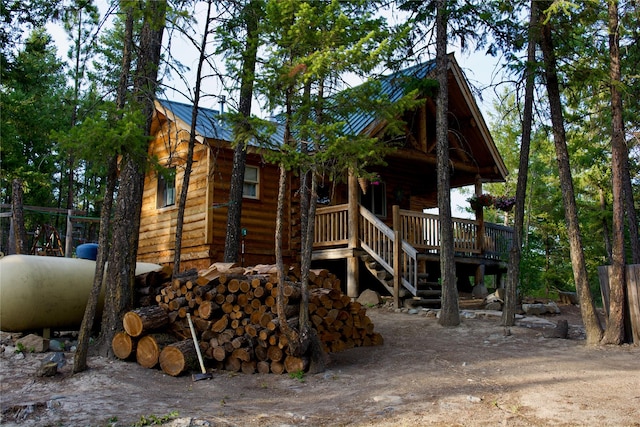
x=476 y=374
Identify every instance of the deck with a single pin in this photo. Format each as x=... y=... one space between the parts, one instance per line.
x=404 y=249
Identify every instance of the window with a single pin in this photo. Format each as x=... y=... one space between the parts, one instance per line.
x=251 y=186
x=166 y=188
x=376 y=199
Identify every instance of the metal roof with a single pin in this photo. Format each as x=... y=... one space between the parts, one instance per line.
x=394 y=87
x=210 y=124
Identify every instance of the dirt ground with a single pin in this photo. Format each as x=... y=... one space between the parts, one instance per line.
x=476 y=374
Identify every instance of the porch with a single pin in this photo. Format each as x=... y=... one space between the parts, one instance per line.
x=404 y=257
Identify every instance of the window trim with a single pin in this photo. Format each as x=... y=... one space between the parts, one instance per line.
x=255 y=183
x=381 y=188
x=163 y=185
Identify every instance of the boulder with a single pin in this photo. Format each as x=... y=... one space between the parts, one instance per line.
x=552 y=307
x=369 y=298
x=33 y=344
x=47 y=369
x=534 y=309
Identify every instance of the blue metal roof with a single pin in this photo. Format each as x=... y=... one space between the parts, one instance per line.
x=210 y=124
x=394 y=86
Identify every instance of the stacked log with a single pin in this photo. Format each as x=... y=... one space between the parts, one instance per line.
x=235 y=316
x=148 y=285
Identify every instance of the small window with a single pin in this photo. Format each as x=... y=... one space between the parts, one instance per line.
x=375 y=199
x=251 y=187
x=166 y=188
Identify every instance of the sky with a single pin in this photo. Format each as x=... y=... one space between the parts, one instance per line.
x=482 y=72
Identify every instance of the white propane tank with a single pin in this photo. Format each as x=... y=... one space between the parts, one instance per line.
x=38 y=292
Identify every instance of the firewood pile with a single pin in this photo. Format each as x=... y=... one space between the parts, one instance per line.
x=233 y=311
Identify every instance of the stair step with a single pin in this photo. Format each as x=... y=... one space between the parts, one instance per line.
x=421 y=302
x=431 y=284
x=383 y=275
x=429 y=293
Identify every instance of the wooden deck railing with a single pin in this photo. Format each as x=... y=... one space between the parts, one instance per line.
x=331 y=226
x=498 y=240
x=420 y=230
x=416 y=232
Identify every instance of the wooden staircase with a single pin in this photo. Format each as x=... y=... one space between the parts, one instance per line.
x=386 y=254
x=428 y=293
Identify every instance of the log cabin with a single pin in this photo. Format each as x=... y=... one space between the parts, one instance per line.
x=371 y=232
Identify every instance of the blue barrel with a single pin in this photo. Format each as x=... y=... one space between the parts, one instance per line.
x=87 y=251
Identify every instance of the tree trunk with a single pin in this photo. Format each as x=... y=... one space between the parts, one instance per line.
x=192 y=142
x=17 y=219
x=122 y=259
x=80 y=359
x=606 y=235
x=614 y=331
x=587 y=308
x=450 y=314
x=515 y=254
x=249 y=57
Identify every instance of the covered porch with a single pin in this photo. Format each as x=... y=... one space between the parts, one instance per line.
x=404 y=255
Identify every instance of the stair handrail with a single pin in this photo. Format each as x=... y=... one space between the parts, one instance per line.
x=378 y=240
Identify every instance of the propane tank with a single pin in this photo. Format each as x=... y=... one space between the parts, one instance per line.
x=38 y=292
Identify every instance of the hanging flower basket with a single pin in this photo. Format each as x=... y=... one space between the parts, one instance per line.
x=364 y=183
x=480 y=201
x=504 y=203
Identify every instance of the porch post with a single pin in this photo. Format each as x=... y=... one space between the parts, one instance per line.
x=353 y=273
x=397 y=253
x=480 y=217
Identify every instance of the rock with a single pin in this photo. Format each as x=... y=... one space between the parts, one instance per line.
x=56 y=345
x=495 y=305
x=187 y=422
x=57 y=357
x=6 y=338
x=560 y=331
x=468 y=314
x=369 y=298
x=33 y=344
x=552 y=307
x=534 y=309
x=413 y=311
x=474 y=399
x=47 y=369
x=479 y=291
x=535 y=322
